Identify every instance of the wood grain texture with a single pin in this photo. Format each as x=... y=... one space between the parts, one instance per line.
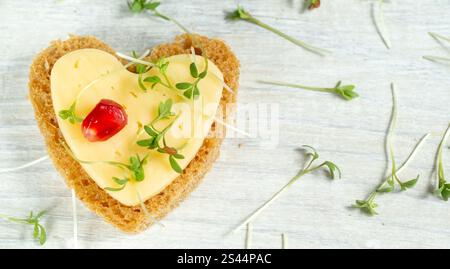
x=315 y=212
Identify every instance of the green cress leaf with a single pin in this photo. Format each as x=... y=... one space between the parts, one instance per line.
x=183 y=85
x=39 y=231
x=193 y=69
x=174 y=164
x=156 y=136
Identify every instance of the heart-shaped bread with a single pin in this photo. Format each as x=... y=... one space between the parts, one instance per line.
x=131 y=217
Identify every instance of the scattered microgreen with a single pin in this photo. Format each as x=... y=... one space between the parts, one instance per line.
x=141 y=5
x=147 y=214
x=138 y=6
x=157 y=137
x=442 y=186
x=140 y=70
x=284 y=241
x=69 y=114
x=191 y=90
x=388 y=185
x=437 y=59
x=312 y=4
x=379 y=22
x=23 y=166
x=248 y=236
x=439 y=37
x=162 y=64
x=313 y=156
x=241 y=14
x=121 y=182
x=39 y=232
x=136 y=169
x=344 y=91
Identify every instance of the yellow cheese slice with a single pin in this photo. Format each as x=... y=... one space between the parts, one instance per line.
x=99 y=75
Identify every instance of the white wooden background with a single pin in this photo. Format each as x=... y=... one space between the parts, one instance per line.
x=314 y=213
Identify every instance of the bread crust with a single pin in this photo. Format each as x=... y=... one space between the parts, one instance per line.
x=129 y=219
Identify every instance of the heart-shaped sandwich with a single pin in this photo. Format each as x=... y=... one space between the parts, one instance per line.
x=133 y=142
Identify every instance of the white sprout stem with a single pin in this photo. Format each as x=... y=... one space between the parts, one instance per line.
x=439 y=154
x=413 y=153
x=248 y=236
x=392 y=126
x=228 y=88
x=177 y=23
x=142 y=56
x=24 y=165
x=231 y=127
x=438 y=36
x=436 y=59
x=75 y=220
x=224 y=85
x=146 y=213
x=389 y=140
x=304 y=45
x=273 y=198
x=380 y=22
x=284 y=241
x=135 y=60
x=193 y=55
x=261 y=208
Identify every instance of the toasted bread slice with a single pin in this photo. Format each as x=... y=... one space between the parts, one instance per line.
x=127 y=218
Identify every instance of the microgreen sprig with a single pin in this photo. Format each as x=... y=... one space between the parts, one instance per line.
x=388 y=185
x=344 y=91
x=188 y=90
x=437 y=59
x=39 y=232
x=69 y=114
x=191 y=90
x=442 y=186
x=162 y=64
x=439 y=37
x=313 y=156
x=403 y=185
x=135 y=167
x=379 y=22
x=156 y=136
x=140 y=70
x=138 y=6
x=312 y=4
x=241 y=14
